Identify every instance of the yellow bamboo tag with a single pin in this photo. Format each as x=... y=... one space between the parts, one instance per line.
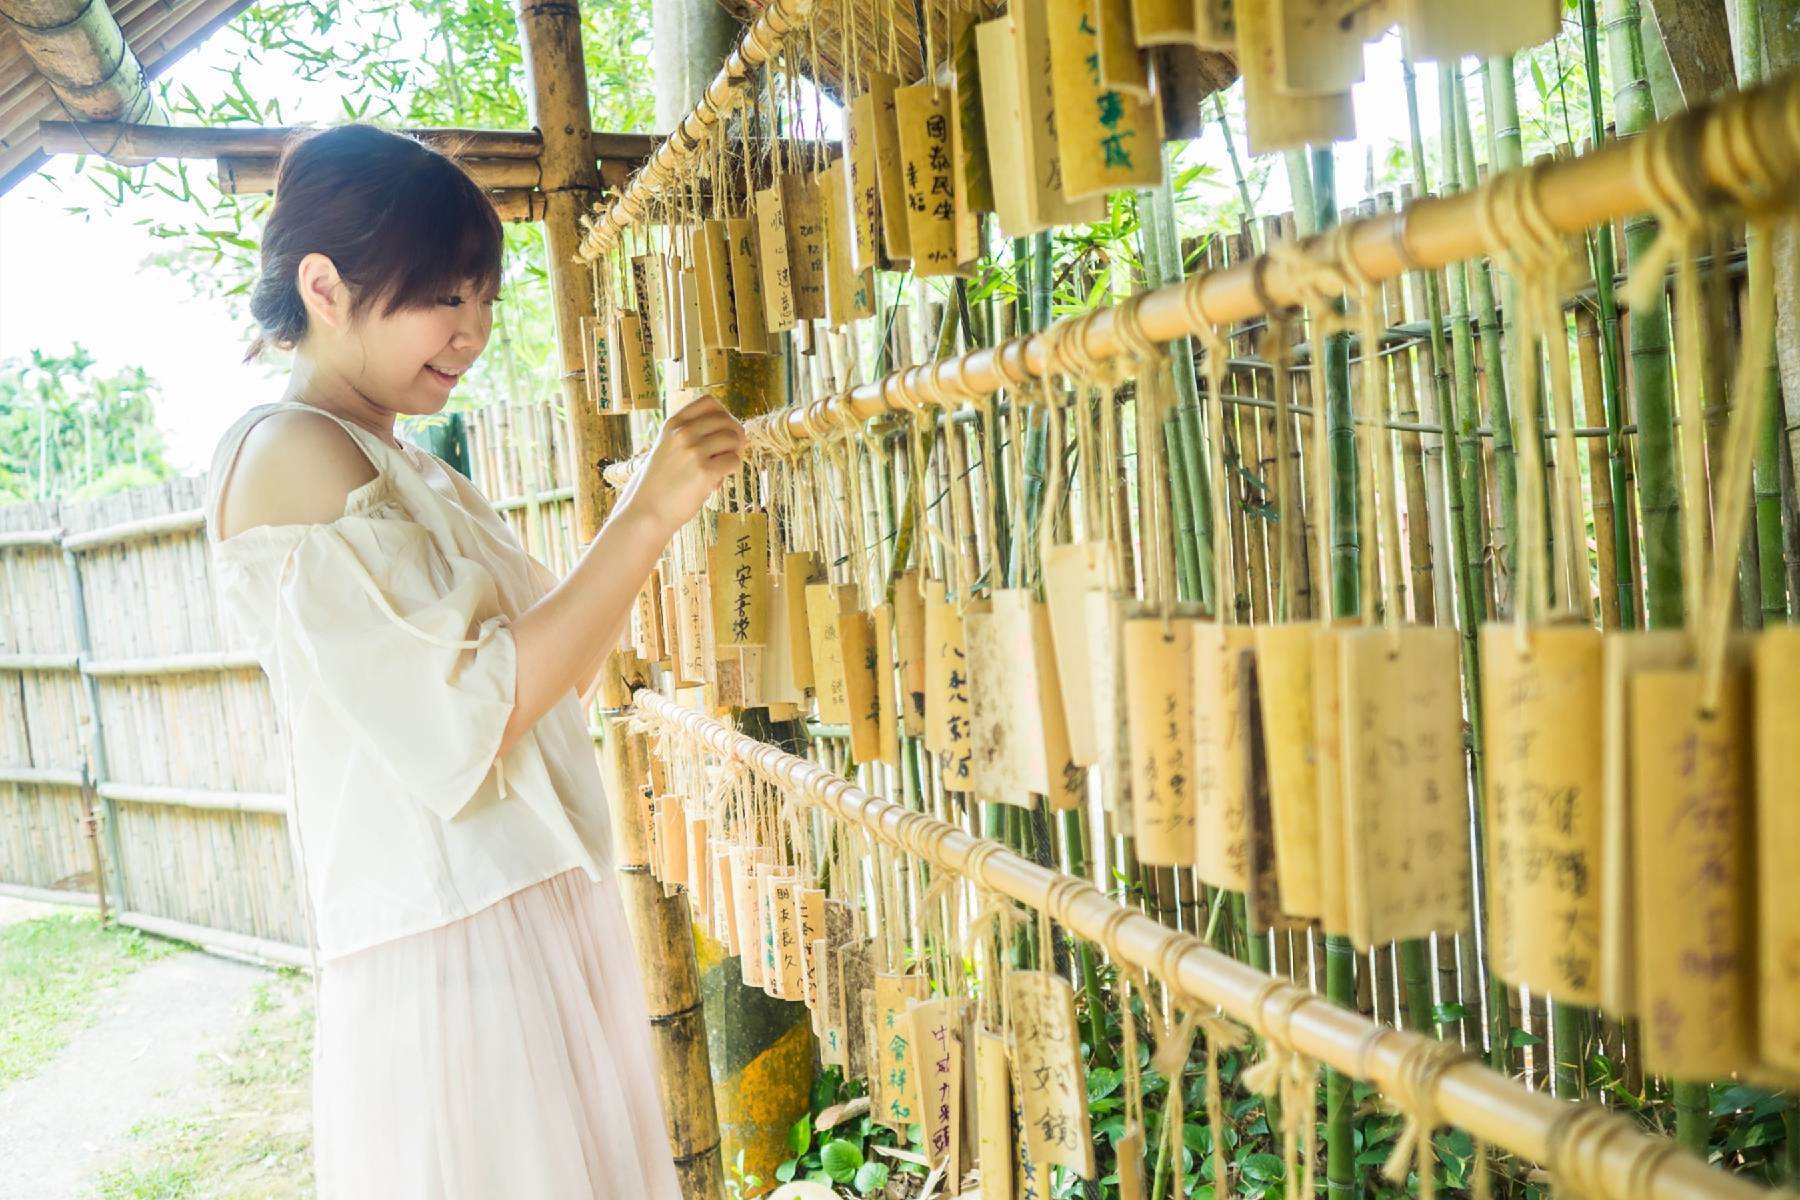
x=988 y=678
x=1121 y=64
x=890 y=174
x=809 y=908
x=1106 y=139
x=671 y=833
x=1284 y=664
x=693 y=607
x=1778 y=846
x=639 y=365
x=1160 y=720
x=1316 y=50
x=1111 y=720
x=1406 y=804
x=833 y=184
x=1624 y=655
x=673 y=327
x=805 y=213
x=1221 y=842
x=724 y=910
x=909 y=636
x=1328 y=722
x=776 y=273
x=766 y=875
x=1013 y=684
x=738 y=561
x=646 y=622
x=973 y=177
x=834 y=1036
x=1450 y=29
x=699 y=879
x=788 y=948
x=1277 y=120
x=896 y=1062
x=1692 y=813
x=824 y=602
x=862 y=689
x=647 y=282
x=705 y=364
x=888 y=709
x=1070 y=573
x=1541 y=705
x=1163 y=22
x=778 y=684
x=800 y=569
x=746 y=287
x=743 y=903
x=1018 y=108
x=923 y=112
x=856 y=977
x=1036 y=703
x=947 y=689
x=993 y=1114
x=863 y=183
x=712 y=263
x=1047 y=1055
x=937 y=1058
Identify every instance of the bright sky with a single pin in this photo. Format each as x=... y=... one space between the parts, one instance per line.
x=66 y=278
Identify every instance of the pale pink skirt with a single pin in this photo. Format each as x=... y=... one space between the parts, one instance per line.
x=505 y=1055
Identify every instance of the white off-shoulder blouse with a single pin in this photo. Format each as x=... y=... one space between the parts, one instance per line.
x=386 y=637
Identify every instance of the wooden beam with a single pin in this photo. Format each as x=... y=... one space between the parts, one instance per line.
x=1699 y=45
x=517 y=206
x=78 y=47
x=107 y=138
x=239 y=176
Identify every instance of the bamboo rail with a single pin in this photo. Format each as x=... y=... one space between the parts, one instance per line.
x=1432 y=232
x=1604 y=1152
x=722 y=96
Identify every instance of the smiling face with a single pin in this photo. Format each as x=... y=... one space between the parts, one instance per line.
x=405 y=361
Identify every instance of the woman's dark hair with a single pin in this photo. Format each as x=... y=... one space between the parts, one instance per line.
x=403 y=224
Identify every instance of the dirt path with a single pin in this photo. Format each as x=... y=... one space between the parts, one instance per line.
x=142 y=1057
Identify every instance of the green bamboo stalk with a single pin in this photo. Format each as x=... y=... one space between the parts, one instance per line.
x=1187 y=568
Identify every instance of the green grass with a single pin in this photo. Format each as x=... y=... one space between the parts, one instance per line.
x=251 y=1134
x=51 y=970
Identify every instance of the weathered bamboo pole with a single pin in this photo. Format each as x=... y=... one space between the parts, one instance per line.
x=1600 y=468
x=1607 y=1153
x=78 y=47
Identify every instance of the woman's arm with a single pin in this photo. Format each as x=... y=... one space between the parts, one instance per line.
x=562 y=640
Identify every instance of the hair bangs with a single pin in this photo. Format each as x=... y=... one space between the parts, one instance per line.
x=439 y=237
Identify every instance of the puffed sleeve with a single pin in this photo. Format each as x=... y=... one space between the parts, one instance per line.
x=407 y=644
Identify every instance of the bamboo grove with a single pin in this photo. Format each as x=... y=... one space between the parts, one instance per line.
x=1329 y=680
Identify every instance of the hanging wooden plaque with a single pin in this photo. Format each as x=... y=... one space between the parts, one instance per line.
x=896 y=1057
x=886 y=675
x=724 y=909
x=1777 y=824
x=909 y=637
x=988 y=678
x=1106 y=139
x=1439 y=30
x=1405 y=786
x=947 y=689
x=1071 y=572
x=972 y=176
x=800 y=569
x=712 y=263
x=890 y=174
x=1692 y=815
x=801 y=204
x=1159 y=692
x=1315 y=49
x=809 y=912
x=834 y=205
x=834 y=1037
x=1047 y=1055
x=748 y=302
x=672 y=837
x=778 y=683
x=937 y=1056
x=862 y=691
x=704 y=363
x=788 y=942
x=856 y=976
x=693 y=609
x=1277 y=120
x=1032 y=702
x=1018 y=109
x=675 y=329
x=738 y=560
x=647 y=282
x=1221 y=842
x=639 y=364
x=1106 y=620
x=923 y=112
x=1121 y=65
x=1541 y=705
x=1163 y=22
x=993 y=1113
x=824 y=603
x=1284 y=659
x=766 y=875
x=743 y=904
x=776 y=273
x=863 y=183
x=1624 y=655
x=699 y=875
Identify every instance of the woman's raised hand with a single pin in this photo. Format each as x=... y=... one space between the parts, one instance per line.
x=697 y=447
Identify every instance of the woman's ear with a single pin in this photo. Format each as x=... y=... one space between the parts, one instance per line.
x=323 y=291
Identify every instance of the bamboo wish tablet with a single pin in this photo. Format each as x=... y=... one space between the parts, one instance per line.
x=1541 y=704
x=989 y=676
x=937 y=1053
x=1106 y=139
x=776 y=273
x=1160 y=722
x=1221 y=843
x=739 y=562
x=862 y=687
x=1691 y=781
x=1315 y=49
x=647 y=282
x=1121 y=63
x=889 y=173
x=923 y=112
x=824 y=603
x=639 y=363
x=1449 y=29
x=1071 y=572
x=886 y=672
x=896 y=1059
x=800 y=569
x=909 y=639
x=1106 y=656
x=802 y=206
x=968 y=141
x=1284 y=657
x=1274 y=119
x=718 y=315
x=746 y=287
x=1406 y=804
x=1778 y=846
x=993 y=1113
x=1163 y=22
x=947 y=689
x=863 y=183
x=1047 y=1055
x=1020 y=712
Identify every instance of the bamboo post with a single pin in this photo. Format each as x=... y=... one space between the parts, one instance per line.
x=78 y=47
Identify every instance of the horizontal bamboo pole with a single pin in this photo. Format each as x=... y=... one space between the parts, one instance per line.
x=220 y=941
x=40 y=776
x=78 y=47
x=39 y=895
x=512 y=502
x=1610 y=1156
x=109 y=138
x=272 y=803
x=19 y=539
x=518 y=206
x=189 y=520
x=1576 y=194
x=171 y=664
x=727 y=90
x=242 y=176
x=40 y=662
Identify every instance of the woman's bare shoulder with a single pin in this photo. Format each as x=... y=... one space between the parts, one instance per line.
x=294 y=468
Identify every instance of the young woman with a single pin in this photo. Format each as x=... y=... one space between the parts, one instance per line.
x=481 y=1030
